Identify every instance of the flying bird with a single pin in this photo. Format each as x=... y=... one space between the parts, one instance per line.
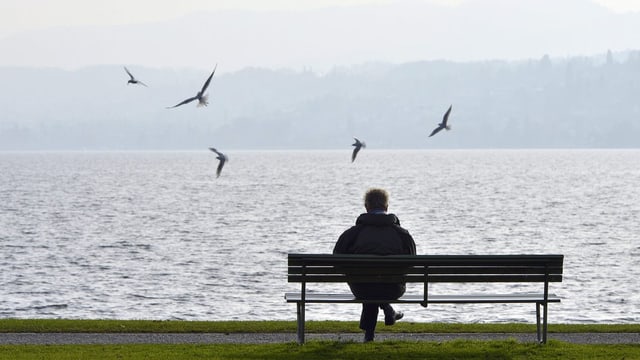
x=200 y=96
x=443 y=124
x=132 y=79
x=222 y=157
x=358 y=145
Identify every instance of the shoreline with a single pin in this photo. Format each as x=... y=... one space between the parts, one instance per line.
x=87 y=331
x=270 y=338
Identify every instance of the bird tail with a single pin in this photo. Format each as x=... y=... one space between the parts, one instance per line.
x=204 y=101
x=448 y=127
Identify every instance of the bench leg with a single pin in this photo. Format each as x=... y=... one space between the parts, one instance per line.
x=541 y=329
x=538 y=328
x=300 y=315
x=544 y=324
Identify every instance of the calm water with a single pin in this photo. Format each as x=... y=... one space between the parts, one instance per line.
x=154 y=235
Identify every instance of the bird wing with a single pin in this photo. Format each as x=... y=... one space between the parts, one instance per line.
x=206 y=83
x=141 y=83
x=445 y=118
x=184 y=102
x=223 y=159
x=214 y=150
x=436 y=130
x=354 y=153
x=128 y=72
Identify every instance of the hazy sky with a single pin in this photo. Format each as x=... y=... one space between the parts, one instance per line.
x=20 y=15
x=63 y=33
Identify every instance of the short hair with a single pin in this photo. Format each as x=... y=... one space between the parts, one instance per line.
x=376 y=199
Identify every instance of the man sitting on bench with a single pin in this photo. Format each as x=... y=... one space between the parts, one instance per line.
x=376 y=233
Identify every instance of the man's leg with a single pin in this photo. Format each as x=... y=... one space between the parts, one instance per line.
x=368 y=320
x=390 y=315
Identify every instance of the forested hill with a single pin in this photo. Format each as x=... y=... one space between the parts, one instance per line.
x=576 y=102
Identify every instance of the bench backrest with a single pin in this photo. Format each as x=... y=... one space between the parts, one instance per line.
x=307 y=268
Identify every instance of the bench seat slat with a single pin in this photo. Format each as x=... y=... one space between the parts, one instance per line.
x=420 y=278
x=419 y=270
x=433 y=299
x=419 y=260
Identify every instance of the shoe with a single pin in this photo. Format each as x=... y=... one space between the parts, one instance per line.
x=368 y=335
x=392 y=318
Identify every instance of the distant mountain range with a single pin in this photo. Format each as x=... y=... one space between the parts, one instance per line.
x=583 y=102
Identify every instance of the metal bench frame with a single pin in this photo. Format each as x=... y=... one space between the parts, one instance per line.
x=426 y=269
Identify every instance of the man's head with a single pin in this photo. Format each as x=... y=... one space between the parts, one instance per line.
x=376 y=199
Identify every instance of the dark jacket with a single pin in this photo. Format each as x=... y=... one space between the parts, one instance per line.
x=376 y=234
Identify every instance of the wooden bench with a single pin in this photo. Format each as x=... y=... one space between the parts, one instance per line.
x=426 y=269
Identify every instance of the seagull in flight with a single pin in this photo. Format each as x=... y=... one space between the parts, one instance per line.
x=222 y=157
x=200 y=96
x=358 y=145
x=443 y=124
x=133 y=80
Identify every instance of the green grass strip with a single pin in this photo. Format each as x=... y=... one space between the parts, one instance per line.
x=153 y=326
x=507 y=349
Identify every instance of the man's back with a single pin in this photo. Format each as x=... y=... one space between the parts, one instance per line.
x=376 y=234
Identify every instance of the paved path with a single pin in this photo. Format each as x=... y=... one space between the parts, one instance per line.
x=263 y=338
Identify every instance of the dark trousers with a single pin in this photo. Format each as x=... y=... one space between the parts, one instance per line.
x=369 y=315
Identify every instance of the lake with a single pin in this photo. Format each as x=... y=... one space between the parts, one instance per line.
x=155 y=235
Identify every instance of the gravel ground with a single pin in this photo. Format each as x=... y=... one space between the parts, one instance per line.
x=262 y=338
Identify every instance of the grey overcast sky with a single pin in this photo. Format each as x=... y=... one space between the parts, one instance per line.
x=314 y=34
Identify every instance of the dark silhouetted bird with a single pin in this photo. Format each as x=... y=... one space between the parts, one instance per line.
x=132 y=79
x=223 y=159
x=358 y=145
x=200 y=96
x=443 y=124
